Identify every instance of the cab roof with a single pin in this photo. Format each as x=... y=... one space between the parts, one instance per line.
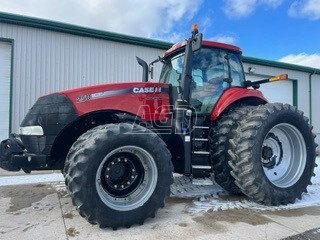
x=205 y=43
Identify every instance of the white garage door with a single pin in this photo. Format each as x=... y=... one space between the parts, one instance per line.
x=281 y=91
x=5 y=76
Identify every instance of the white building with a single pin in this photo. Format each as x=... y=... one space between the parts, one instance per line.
x=39 y=56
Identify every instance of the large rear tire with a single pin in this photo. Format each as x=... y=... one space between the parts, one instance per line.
x=117 y=178
x=221 y=132
x=272 y=156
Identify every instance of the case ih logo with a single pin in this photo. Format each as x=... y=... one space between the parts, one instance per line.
x=147 y=90
x=112 y=93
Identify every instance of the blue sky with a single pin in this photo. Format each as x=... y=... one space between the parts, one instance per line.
x=284 y=30
x=268 y=32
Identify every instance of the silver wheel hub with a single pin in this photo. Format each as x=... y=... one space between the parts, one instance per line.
x=126 y=178
x=283 y=155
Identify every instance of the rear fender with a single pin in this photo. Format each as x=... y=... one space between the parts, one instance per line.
x=233 y=95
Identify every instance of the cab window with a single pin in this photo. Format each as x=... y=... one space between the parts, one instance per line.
x=237 y=74
x=210 y=68
x=209 y=73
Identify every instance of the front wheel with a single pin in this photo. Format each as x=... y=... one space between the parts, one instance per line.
x=272 y=156
x=118 y=174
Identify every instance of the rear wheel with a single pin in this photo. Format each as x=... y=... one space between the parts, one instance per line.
x=116 y=178
x=220 y=134
x=272 y=156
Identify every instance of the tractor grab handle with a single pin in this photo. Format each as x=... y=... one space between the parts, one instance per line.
x=256 y=84
x=280 y=77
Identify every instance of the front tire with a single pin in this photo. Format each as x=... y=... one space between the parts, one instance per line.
x=117 y=178
x=273 y=154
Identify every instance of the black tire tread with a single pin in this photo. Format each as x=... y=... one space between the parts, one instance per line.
x=77 y=161
x=219 y=136
x=241 y=162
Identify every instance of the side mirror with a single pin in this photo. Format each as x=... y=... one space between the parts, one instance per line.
x=196 y=42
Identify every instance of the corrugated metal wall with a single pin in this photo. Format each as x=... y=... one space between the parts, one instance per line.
x=47 y=61
x=301 y=77
x=315 y=98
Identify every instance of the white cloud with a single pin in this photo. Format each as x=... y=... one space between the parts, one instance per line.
x=239 y=8
x=305 y=9
x=244 y=8
x=309 y=60
x=272 y=3
x=224 y=39
x=135 y=17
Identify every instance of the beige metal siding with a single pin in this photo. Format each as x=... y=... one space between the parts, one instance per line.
x=5 y=73
x=302 y=81
x=47 y=61
x=315 y=98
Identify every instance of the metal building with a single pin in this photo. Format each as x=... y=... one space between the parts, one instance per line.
x=39 y=56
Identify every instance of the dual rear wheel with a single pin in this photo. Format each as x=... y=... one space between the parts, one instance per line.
x=268 y=153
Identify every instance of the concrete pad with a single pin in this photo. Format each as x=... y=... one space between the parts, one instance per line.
x=30 y=212
x=174 y=222
x=299 y=220
x=46 y=211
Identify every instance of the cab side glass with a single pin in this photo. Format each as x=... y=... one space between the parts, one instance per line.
x=172 y=70
x=237 y=74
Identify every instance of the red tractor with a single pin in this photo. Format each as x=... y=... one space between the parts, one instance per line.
x=118 y=145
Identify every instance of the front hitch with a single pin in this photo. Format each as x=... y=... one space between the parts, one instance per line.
x=14 y=157
x=9 y=147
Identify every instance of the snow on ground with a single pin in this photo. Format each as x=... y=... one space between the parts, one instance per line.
x=30 y=179
x=215 y=199
x=205 y=198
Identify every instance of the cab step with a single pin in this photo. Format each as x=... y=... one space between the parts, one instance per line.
x=201 y=152
x=200 y=127
x=201 y=167
x=201 y=171
x=201 y=139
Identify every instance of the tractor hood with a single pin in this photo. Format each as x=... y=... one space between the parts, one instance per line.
x=52 y=113
x=143 y=99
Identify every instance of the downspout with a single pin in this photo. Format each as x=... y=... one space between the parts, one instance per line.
x=310 y=95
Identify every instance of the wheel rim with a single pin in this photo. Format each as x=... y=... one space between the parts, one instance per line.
x=126 y=178
x=283 y=155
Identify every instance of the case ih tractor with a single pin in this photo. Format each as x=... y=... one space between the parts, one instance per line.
x=118 y=145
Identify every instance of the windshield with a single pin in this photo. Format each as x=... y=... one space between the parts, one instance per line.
x=209 y=72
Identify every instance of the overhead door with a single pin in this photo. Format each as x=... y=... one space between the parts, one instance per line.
x=5 y=80
x=281 y=91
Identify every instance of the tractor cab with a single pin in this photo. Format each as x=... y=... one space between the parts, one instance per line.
x=215 y=68
x=199 y=76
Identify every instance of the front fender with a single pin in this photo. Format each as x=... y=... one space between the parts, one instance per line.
x=233 y=95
